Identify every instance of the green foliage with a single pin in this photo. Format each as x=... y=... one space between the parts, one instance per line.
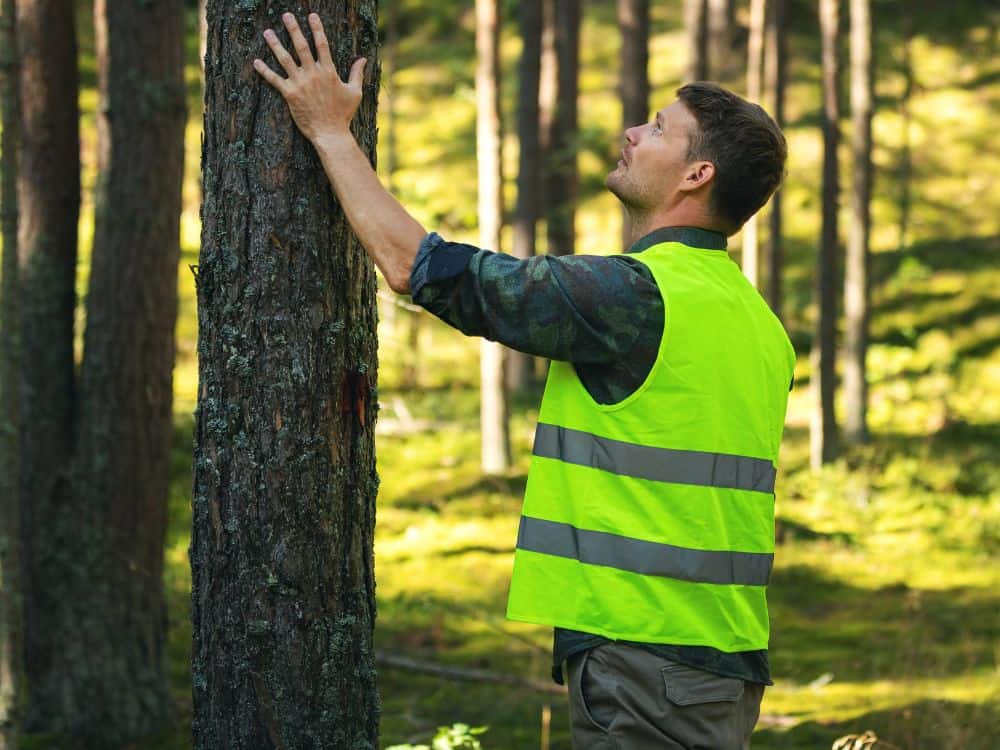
x=455 y=737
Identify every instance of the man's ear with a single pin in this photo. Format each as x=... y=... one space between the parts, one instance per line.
x=698 y=175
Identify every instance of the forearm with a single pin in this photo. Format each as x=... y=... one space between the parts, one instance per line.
x=386 y=230
x=583 y=309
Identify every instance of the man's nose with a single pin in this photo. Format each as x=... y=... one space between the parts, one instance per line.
x=631 y=135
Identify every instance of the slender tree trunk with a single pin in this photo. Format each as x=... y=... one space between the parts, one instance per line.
x=755 y=61
x=905 y=153
x=696 y=31
x=396 y=317
x=823 y=427
x=493 y=397
x=12 y=674
x=720 y=39
x=856 y=282
x=561 y=175
x=774 y=75
x=547 y=86
x=633 y=82
x=49 y=191
x=284 y=463
x=520 y=367
x=202 y=39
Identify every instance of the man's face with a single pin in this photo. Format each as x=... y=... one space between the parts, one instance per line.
x=654 y=160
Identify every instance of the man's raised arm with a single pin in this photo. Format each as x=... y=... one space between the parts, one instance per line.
x=322 y=106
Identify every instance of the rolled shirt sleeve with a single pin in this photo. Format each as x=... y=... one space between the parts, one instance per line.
x=580 y=308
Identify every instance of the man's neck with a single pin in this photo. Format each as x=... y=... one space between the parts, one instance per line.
x=679 y=216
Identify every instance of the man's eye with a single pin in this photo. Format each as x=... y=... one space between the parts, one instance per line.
x=657 y=129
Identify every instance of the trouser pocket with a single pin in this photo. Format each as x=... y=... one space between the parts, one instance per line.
x=705 y=711
x=589 y=719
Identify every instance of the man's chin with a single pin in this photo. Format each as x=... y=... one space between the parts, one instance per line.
x=612 y=179
x=614 y=182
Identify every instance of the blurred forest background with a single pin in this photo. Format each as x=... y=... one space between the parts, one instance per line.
x=885 y=599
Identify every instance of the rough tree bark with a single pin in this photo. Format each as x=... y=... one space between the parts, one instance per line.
x=633 y=82
x=856 y=281
x=774 y=77
x=561 y=165
x=12 y=674
x=520 y=367
x=755 y=60
x=49 y=200
x=823 y=426
x=283 y=600
x=112 y=637
x=696 y=31
x=494 y=421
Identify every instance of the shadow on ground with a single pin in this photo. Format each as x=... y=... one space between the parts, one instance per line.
x=924 y=724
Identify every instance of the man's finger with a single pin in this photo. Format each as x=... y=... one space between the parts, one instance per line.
x=269 y=75
x=305 y=54
x=319 y=36
x=280 y=53
x=357 y=73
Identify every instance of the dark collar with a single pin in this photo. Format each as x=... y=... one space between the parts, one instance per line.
x=705 y=239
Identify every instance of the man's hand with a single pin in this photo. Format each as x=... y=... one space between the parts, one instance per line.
x=320 y=102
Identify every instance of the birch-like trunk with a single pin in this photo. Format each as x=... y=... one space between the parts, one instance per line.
x=755 y=61
x=823 y=426
x=493 y=414
x=856 y=277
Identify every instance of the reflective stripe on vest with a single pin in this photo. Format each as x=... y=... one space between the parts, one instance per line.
x=640 y=556
x=652 y=519
x=658 y=464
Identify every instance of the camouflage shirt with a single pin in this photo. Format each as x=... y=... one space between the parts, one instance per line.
x=602 y=313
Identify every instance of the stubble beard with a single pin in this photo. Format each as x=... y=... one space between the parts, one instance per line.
x=623 y=188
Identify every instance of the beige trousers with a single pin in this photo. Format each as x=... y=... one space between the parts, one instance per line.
x=625 y=698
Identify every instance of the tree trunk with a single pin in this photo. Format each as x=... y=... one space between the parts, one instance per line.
x=202 y=41
x=283 y=600
x=561 y=171
x=116 y=677
x=755 y=60
x=856 y=284
x=49 y=191
x=389 y=70
x=12 y=674
x=823 y=428
x=696 y=31
x=633 y=83
x=548 y=85
x=905 y=151
x=720 y=39
x=774 y=75
x=493 y=398
x=520 y=368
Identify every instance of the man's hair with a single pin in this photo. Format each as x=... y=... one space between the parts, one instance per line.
x=746 y=146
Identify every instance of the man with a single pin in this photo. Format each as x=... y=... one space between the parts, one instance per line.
x=647 y=533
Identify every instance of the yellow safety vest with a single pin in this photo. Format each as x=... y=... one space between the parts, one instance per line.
x=652 y=519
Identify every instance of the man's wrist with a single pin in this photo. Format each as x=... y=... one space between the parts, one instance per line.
x=333 y=139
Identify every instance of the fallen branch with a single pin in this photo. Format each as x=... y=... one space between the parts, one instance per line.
x=466 y=675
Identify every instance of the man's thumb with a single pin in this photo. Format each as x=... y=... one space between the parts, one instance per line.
x=357 y=72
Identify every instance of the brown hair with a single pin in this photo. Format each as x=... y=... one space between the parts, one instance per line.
x=746 y=146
